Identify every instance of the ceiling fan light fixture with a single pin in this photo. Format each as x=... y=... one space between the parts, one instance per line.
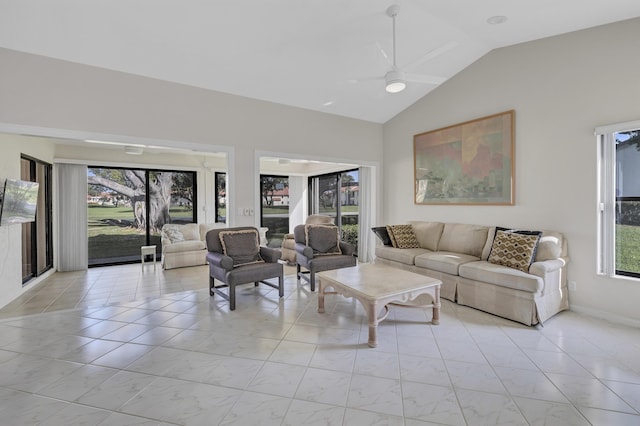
x=394 y=81
x=395 y=86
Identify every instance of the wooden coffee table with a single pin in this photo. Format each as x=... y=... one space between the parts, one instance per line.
x=376 y=286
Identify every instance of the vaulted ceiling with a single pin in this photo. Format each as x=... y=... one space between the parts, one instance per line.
x=324 y=55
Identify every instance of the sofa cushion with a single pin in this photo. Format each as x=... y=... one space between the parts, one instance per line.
x=323 y=239
x=405 y=256
x=402 y=236
x=444 y=261
x=382 y=234
x=184 y=246
x=428 y=233
x=242 y=246
x=515 y=249
x=463 y=238
x=503 y=276
x=491 y=235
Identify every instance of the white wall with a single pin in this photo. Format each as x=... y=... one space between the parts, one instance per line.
x=561 y=89
x=49 y=93
x=66 y=98
x=11 y=148
x=297 y=197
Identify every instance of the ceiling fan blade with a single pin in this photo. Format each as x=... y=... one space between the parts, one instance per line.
x=426 y=79
x=363 y=79
x=384 y=55
x=432 y=54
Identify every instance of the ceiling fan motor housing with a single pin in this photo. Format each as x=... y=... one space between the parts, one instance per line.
x=394 y=81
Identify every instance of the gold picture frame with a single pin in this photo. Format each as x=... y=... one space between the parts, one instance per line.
x=470 y=163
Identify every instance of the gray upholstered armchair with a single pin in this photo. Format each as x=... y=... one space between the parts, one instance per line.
x=235 y=257
x=289 y=243
x=319 y=248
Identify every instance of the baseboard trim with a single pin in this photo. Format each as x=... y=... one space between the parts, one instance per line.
x=608 y=316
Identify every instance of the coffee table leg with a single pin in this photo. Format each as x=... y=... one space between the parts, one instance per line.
x=372 y=315
x=436 y=307
x=321 y=297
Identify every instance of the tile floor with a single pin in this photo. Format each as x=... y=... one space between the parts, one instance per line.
x=116 y=346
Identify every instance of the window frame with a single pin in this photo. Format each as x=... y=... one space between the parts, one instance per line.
x=606 y=199
x=135 y=258
x=313 y=190
x=44 y=212
x=217 y=177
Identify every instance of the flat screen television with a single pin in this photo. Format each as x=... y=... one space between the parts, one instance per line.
x=19 y=202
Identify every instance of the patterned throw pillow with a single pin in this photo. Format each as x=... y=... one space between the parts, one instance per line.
x=242 y=246
x=173 y=233
x=323 y=239
x=402 y=236
x=513 y=249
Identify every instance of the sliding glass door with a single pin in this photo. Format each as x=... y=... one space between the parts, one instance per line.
x=337 y=195
x=274 y=208
x=128 y=207
x=221 y=197
x=37 y=237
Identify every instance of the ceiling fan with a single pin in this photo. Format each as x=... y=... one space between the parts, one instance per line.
x=396 y=79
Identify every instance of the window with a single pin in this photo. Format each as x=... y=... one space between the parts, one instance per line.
x=619 y=200
x=221 y=197
x=128 y=207
x=337 y=195
x=37 y=237
x=274 y=207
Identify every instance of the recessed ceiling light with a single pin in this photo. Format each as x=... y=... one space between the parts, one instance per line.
x=133 y=150
x=498 y=19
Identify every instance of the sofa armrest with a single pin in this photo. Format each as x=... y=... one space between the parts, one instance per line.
x=269 y=254
x=540 y=269
x=219 y=260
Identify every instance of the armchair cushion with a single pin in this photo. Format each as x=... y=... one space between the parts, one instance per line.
x=174 y=235
x=184 y=246
x=184 y=232
x=323 y=239
x=242 y=246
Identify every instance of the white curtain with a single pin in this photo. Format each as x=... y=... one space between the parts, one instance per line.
x=73 y=250
x=366 y=244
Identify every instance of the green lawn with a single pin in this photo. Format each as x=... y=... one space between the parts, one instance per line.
x=628 y=248
x=112 y=236
x=343 y=209
x=126 y=213
x=275 y=210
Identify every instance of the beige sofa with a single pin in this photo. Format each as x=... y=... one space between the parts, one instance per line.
x=459 y=254
x=184 y=245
